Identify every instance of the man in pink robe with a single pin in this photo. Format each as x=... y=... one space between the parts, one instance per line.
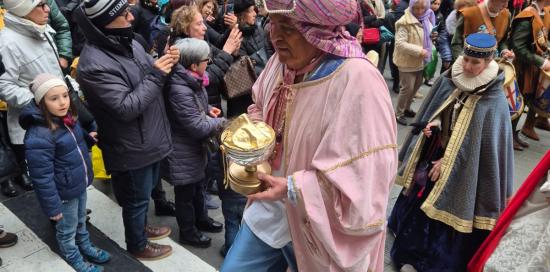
x=336 y=155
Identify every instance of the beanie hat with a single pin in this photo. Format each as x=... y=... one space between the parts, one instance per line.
x=102 y=12
x=242 y=5
x=43 y=83
x=20 y=8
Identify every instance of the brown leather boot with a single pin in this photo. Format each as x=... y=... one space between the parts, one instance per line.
x=542 y=123
x=157 y=233
x=530 y=133
x=152 y=252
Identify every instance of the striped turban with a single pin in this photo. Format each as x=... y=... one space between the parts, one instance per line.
x=322 y=23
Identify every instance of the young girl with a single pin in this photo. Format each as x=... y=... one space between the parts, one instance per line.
x=60 y=168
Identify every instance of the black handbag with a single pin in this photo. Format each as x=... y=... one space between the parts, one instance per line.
x=211 y=143
x=420 y=176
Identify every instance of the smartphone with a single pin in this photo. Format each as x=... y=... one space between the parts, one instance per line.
x=229 y=9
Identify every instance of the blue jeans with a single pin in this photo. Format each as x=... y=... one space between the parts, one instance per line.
x=132 y=190
x=71 y=232
x=232 y=209
x=249 y=253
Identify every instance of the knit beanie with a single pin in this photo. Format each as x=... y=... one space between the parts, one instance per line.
x=103 y=12
x=43 y=83
x=20 y=8
x=242 y=5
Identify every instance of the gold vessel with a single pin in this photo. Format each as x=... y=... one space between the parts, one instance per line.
x=246 y=147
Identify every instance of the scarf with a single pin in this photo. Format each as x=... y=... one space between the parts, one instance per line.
x=282 y=96
x=428 y=22
x=69 y=121
x=204 y=80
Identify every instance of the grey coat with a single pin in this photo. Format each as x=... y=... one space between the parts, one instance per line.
x=190 y=125
x=26 y=53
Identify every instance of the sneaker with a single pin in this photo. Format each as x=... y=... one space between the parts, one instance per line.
x=83 y=266
x=407 y=268
x=157 y=233
x=95 y=255
x=7 y=239
x=152 y=252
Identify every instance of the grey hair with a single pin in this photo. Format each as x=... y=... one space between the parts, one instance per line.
x=192 y=51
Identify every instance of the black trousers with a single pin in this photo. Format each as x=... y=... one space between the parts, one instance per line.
x=190 y=207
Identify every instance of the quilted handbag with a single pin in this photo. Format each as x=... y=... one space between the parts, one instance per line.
x=239 y=78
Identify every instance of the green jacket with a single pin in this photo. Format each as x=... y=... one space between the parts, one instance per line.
x=63 y=39
x=457 y=44
x=522 y=43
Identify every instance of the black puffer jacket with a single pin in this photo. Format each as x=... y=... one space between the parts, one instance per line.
x=190 y=125
x=255 y=41
x=124 y=93
x=221 y=61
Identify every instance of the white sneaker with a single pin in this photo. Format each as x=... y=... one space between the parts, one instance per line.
x=407 y=268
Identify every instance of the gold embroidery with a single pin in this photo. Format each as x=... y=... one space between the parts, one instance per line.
x=406 y=179
x=447 y=163
x=360 y=156
x=461 y=225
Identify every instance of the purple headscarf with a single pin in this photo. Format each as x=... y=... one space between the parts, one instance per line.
x=322 y=23
x=427 y=19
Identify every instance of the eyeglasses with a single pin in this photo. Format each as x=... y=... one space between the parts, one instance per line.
x=42 y=4
x=209 y=60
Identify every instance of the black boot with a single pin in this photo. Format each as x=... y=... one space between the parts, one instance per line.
x=196 y=239
x=210 y=225
x=25 y=182
x=8 y=189
x=165 y=208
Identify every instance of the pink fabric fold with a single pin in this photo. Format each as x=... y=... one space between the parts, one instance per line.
x=342 y=152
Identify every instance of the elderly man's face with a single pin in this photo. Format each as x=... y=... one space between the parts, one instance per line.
x=293 y=49
x=474 y=66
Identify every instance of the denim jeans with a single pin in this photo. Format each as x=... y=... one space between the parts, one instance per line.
x=133 y=190
x=71 y=232
x=249 y=253
x=232 y=203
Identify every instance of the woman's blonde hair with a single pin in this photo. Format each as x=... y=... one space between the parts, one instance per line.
x=182 y=18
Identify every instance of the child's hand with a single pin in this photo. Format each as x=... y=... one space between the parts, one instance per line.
x=57 y=217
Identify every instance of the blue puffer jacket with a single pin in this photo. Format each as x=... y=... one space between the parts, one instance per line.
x=60 y=169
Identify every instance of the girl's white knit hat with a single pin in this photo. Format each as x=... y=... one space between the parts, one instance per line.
x=43 y=83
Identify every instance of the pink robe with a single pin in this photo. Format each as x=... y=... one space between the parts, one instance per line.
x=340 y=146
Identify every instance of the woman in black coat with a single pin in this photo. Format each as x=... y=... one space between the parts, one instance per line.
x=192 y=122
x=188 y=22
x=254 y=45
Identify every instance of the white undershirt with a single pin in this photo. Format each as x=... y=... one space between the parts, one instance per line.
x=267 y=219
